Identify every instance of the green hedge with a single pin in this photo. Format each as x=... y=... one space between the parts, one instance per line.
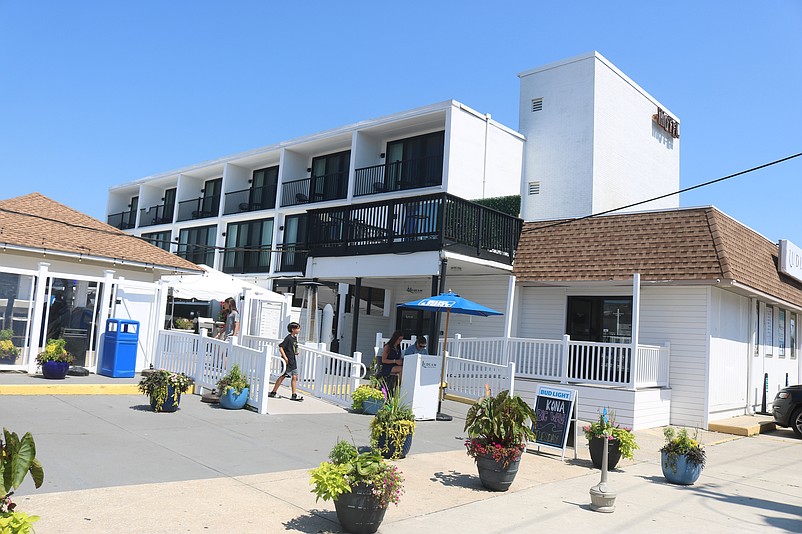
x=510 y=205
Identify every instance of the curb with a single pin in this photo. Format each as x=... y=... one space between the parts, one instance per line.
x=70 y=389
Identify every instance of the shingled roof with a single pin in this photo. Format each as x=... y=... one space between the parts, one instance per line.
x=36 y=222
x=695 y=244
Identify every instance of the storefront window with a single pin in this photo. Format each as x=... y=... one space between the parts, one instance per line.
x=600 y=319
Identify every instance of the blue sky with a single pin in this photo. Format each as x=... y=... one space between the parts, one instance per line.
x=99 y=93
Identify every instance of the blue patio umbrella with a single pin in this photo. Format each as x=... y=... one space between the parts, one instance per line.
x=448 y=302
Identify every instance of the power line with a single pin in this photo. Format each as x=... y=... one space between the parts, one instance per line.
x=674 y=193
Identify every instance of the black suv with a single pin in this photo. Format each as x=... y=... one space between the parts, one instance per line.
x=787 y=408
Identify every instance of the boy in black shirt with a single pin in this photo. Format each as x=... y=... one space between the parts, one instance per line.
x=289 y=350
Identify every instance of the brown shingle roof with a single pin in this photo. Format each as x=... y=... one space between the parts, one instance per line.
x=37 y=222
x=699 y=244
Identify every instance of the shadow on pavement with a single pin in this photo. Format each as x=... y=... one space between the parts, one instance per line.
x=456 y=479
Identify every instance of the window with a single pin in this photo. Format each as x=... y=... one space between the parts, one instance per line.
x=293 y=259
x=415 y=161
x=769 y=331
x=329 y=176
x=133 y=208
x=600 y=319
x=211 y=197
x=160 y=239
x=792 y=342
x=264 y=183
x=169 y=206
x=781 y=333
x=248 y=247
x=197 y=244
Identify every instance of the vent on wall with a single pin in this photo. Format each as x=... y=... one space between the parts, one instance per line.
x=534 y=188
x=537 y=104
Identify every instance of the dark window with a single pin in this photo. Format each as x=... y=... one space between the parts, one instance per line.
x=134 y=207
x=263 y=188
x=330 y=176
x=248 y=246
x=160 y=239
x=600 y=319
x=197 y=244
x=415 y=161
x=371 y=300
x=169 y=205
x=210 y=205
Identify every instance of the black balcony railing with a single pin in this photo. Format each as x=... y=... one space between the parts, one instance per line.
x=253 y=199
x=123 y=220
x=429 y=222
x=199 y=208
x=332 y=186
x=292 y=257
x=246 y=259
x=399 y=175
x=159 y=214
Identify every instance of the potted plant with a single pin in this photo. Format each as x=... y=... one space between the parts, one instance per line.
x=683 y=458
x=17 y=459
x=8 y=352
x=233 y=389
x=620 y=441
x=55 y=360
x=498 y=429
x=164 y=389
x=361 y=484
x=182 y=323
x=392 y=427
x=367 y=399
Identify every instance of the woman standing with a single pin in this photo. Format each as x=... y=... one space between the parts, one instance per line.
x=232 y=318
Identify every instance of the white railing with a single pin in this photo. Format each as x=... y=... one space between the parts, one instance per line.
x=474 y=379
x=567 y=361
x=207 y=360
x=323 y=374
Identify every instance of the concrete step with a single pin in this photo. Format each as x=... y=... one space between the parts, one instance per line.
x=744 y=425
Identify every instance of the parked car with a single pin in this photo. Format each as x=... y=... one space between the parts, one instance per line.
x=787 y=408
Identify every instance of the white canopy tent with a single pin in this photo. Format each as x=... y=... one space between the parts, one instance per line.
x=254 y=302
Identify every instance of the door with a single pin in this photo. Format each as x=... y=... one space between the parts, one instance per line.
x=71 y=311
x=329 y=179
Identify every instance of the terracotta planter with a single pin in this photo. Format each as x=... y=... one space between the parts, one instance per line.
x=596 y=446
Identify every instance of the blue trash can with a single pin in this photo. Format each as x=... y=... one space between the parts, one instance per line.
x=119 y=348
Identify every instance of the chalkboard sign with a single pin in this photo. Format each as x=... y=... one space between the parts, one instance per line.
x=554 y=408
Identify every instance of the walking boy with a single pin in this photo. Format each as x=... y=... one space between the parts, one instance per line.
x=289 y=350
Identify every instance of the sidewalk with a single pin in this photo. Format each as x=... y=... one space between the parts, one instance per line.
x=112 y=465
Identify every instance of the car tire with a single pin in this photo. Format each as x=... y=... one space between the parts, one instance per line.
x=796 y=421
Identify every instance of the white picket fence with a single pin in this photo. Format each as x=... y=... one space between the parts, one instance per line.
x=474 y=379
x=323 y=374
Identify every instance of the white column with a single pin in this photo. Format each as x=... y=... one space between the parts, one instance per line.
x=635 y=327
x=35 y=342
x=508 y=318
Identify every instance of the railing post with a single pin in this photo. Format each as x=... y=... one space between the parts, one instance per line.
x=319 y=374
x=355 y=374
x=457 y=348
x=511 y=366
x=264 y=380
x=564 y=359
x=667 y=367
x=633 y=367
x=199 y=362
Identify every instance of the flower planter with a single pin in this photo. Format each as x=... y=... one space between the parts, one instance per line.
x=170 y=405
x=55 y=370
x=358 y=511
x=493 y=475
x=596 y=446
x=682 y=472
x=391 y=446
x=231 y=401
x=372 y=406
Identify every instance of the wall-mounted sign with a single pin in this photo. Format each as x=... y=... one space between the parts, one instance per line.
x=667 y=123
x=790 y=260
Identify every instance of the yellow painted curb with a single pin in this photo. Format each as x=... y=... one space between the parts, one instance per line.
x=70 y=389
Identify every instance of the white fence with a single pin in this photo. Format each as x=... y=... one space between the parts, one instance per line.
x=324 y=374
x=474 y=379
x=567 y=361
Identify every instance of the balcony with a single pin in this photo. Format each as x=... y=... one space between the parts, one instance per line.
x=399 y=176
x=332 y=186
x=292 y=258
x=198 y=208
x=429 y=222
x=123 y=220
x=159 y=214
x=247 y=259
x=252 y=199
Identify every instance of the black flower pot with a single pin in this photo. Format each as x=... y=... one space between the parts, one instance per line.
x=596 y=446
x=391 y=449
x=493 y=475
x=359 y=512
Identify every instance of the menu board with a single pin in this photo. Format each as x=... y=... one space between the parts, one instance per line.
x=554 y=408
